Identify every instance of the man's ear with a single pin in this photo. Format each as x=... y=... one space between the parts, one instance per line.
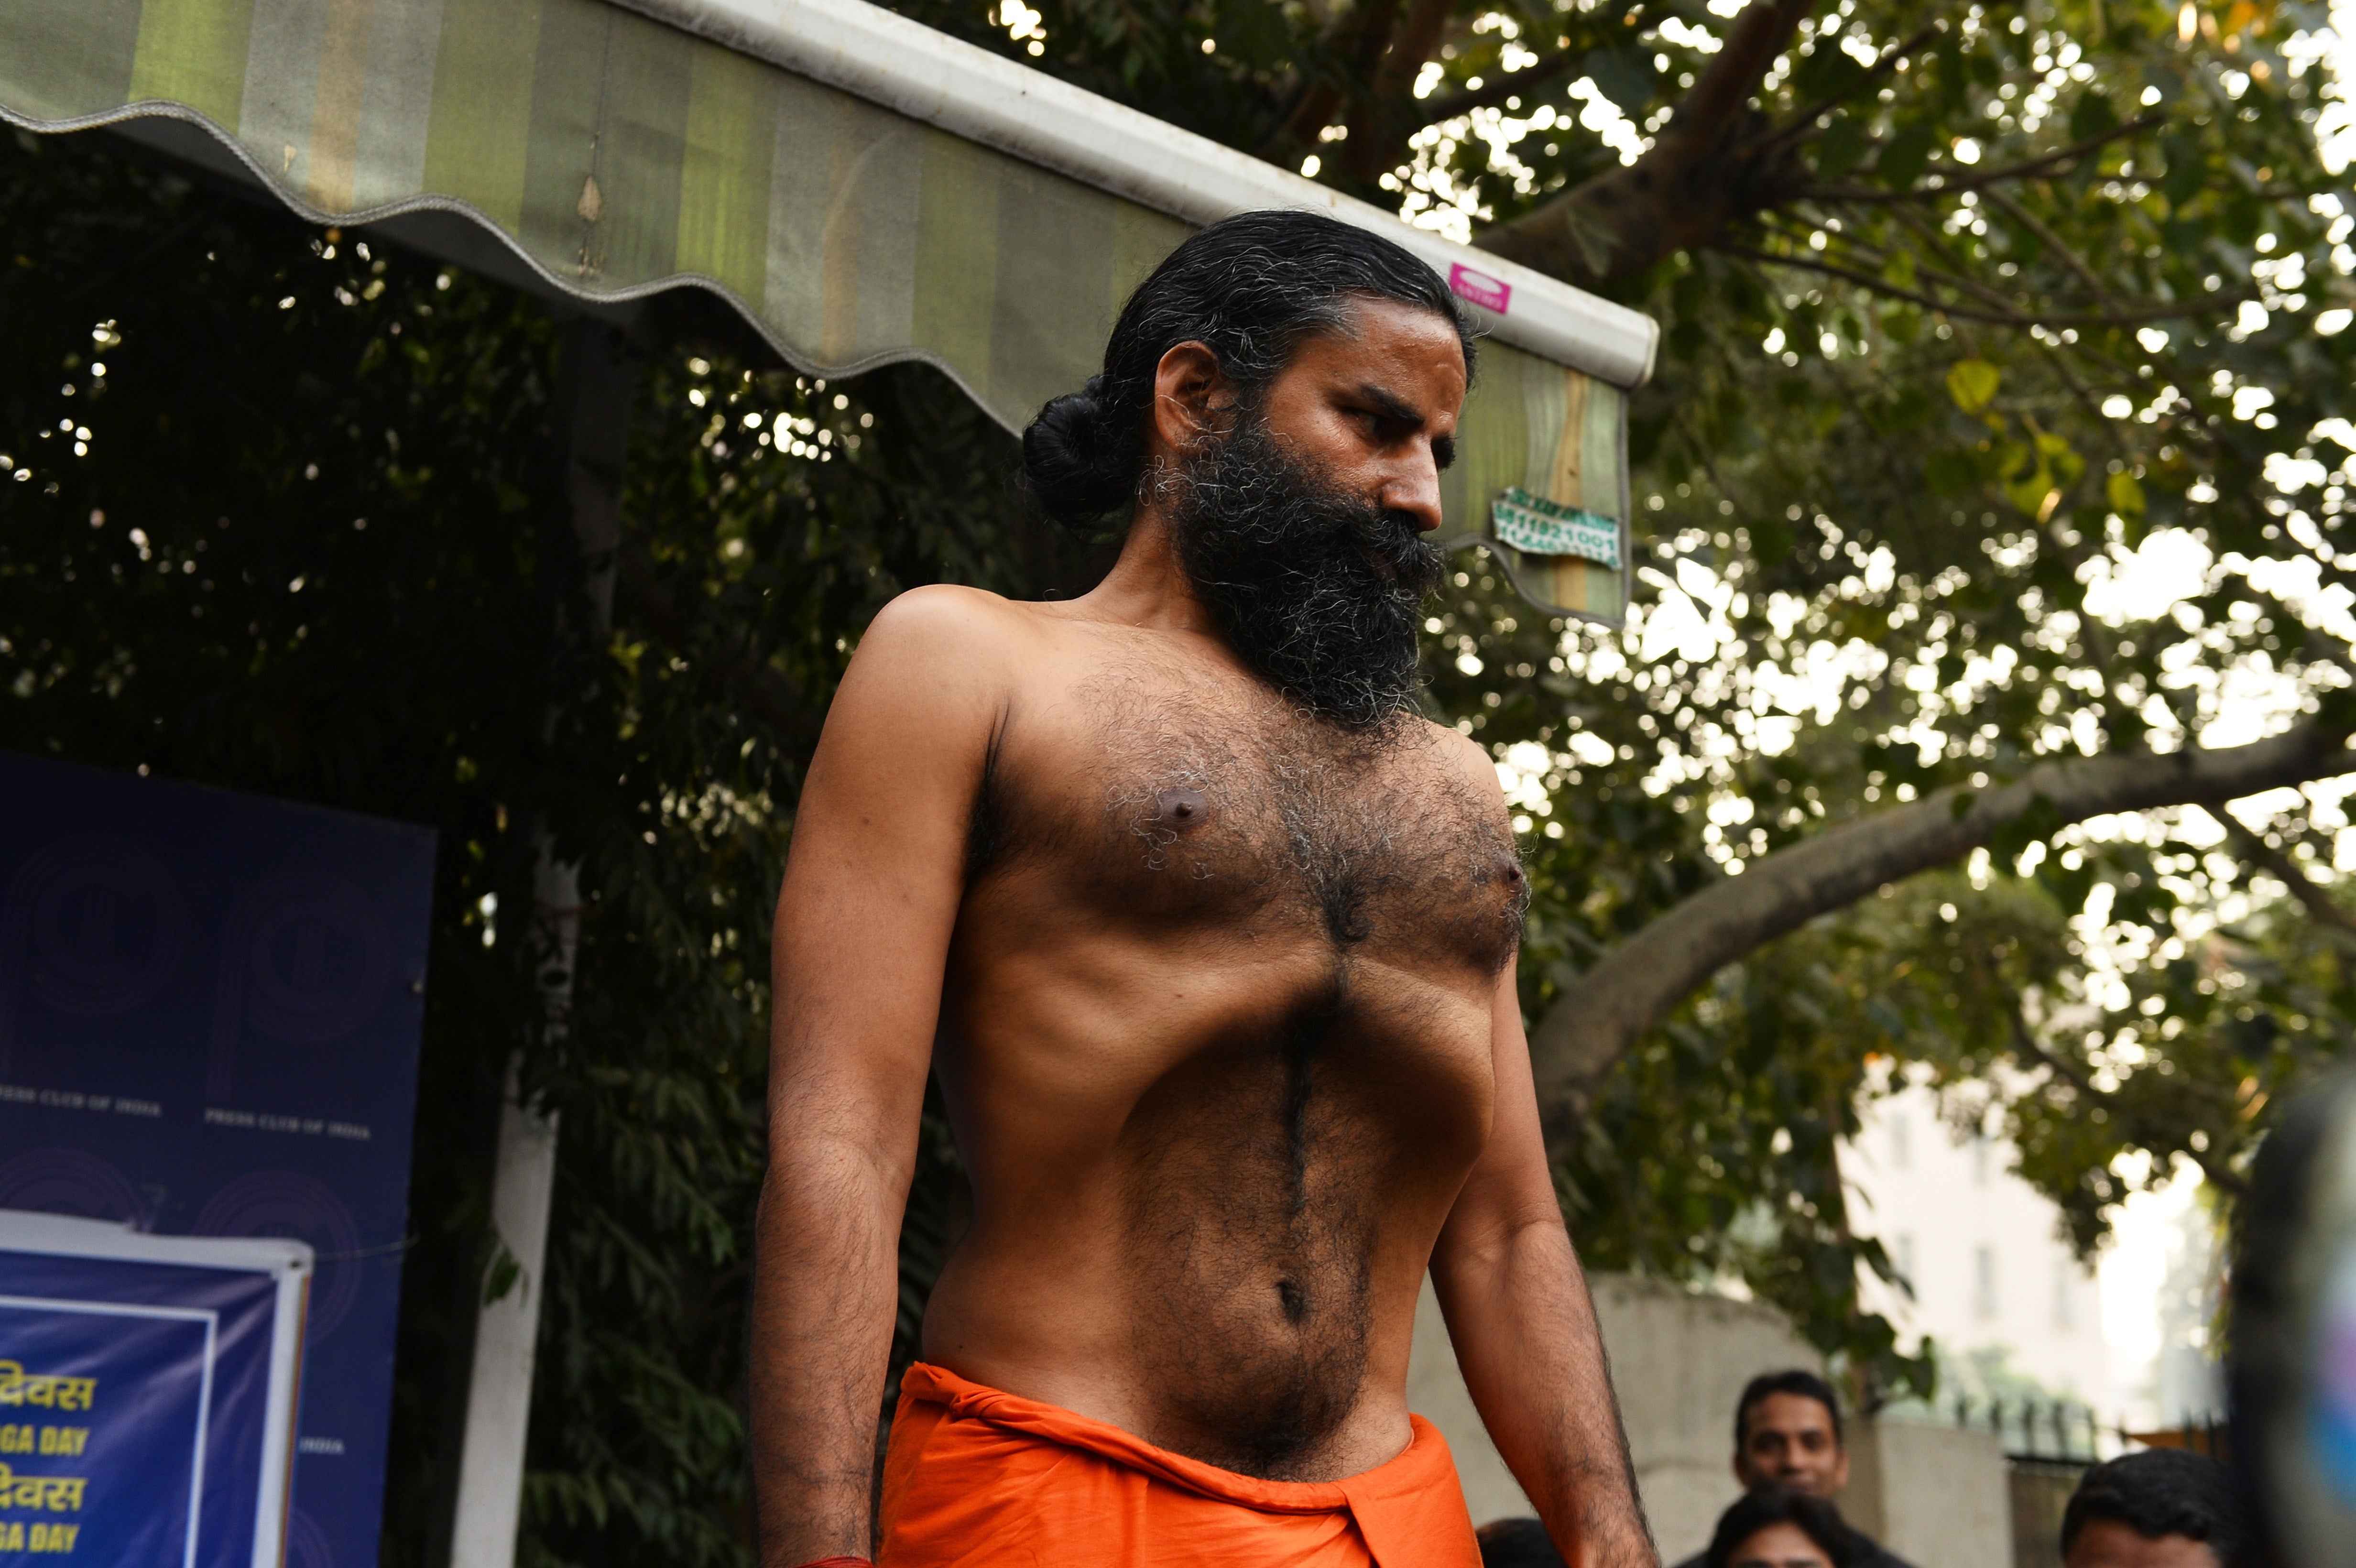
x=1840 y=1468
x=1191 y=397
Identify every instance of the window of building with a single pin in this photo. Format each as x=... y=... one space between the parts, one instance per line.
x=1904 y=1259
x=1900 y=1153
x=2065 y=1295
x=1984 y=1281
x=1979 y=1159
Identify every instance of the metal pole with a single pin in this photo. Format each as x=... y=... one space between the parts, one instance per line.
x=595 y=380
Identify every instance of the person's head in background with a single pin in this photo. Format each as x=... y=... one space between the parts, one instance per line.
x=1776 y=1528
x=2162 y=1508
x=1787 y=1433
x=1516 y=1543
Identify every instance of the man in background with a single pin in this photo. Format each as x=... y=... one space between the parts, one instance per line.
x=2162 y=1508
x=1787 y=1437
x=1787 y=1433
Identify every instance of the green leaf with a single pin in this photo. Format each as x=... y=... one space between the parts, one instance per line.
x=1972 y=383
x=2091 y=114
x=2126 y=493
x=1904 y=156
x=1255 y=31
x=1949 y=471
x=1829 y=72
x=2188 y=169
x=1624 y=75
x=2060 y=458
x=1840 y=147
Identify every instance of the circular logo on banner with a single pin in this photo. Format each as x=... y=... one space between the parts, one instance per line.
x=318 y=959
x=307 y=1543
x=288 y=1203
x=69 y=1181
x=100 y=920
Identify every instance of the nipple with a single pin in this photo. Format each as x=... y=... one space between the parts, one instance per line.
x=1181 y=806
x=1509 y=867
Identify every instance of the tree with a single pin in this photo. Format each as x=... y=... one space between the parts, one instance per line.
x=276 y=514
x=1945 y=379
x=1977 y=316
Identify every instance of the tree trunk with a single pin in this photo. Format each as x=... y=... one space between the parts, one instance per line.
x=1636 y=985
x=1710 y=168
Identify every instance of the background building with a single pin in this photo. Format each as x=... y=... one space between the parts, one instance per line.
x=1981 y=1248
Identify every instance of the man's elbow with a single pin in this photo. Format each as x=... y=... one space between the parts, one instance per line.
x=840 y=1154
x=1500 y=1241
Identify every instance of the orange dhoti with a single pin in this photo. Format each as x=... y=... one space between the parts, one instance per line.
x=978 y=1479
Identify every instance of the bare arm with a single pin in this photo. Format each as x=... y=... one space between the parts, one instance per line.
x=1524 y=1328
x=864 y=922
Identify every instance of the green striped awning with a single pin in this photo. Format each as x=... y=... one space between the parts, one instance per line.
x=615 y=155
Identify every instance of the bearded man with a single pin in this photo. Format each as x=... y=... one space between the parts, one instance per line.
x=1210 y=940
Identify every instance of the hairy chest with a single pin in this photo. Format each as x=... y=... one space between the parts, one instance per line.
x=1181 y=810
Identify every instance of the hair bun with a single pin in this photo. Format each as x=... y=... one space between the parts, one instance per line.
x=1075 y=460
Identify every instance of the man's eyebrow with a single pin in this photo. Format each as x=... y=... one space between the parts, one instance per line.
x=1391 y=406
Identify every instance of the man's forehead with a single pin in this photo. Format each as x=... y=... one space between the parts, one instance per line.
x=1406 y=360
x=1789 y=1410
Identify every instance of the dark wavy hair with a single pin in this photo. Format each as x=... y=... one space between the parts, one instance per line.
x=1798 y=1380
x=2168 y=1491
x=1754 y=1511
x=1250 y=288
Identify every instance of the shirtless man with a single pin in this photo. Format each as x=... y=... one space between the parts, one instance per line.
x=1211 y=941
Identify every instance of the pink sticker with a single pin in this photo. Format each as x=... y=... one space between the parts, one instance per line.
x=1488 y=292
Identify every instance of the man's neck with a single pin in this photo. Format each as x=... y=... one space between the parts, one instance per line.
x=1148 y=586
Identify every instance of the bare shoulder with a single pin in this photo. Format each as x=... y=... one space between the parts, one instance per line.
x=943 y=620
x=941 y=661
x=958 y=638
x=1467 y=759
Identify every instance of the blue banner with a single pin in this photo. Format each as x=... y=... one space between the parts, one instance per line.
x=210 y=1007
x=146 y=1389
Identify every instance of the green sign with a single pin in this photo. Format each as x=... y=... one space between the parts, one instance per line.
x=1536 y=526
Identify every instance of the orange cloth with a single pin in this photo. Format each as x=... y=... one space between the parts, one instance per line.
x=978 y=1479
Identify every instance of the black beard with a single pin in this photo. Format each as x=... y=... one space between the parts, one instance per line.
x=1320 y=593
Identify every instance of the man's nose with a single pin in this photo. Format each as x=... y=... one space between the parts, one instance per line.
x=1415 y=490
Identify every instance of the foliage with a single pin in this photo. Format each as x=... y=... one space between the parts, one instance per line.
x=1979 y=321
x=305 y=549
x=2000 y=417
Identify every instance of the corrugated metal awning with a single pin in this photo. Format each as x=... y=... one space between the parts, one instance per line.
x=860 y=189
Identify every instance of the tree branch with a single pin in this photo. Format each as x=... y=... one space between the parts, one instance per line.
x=1734 y=73
x=1953 y=177
x=2126 y=316
x=1432 y=111
x=1637 y=984
x=1381 y=123
x=1804 y=124
x=1364 y=33
x=2051 y=240
x=1854 y=250
x=1697 y=177
x=2025 y=1043
x=2320 y=906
